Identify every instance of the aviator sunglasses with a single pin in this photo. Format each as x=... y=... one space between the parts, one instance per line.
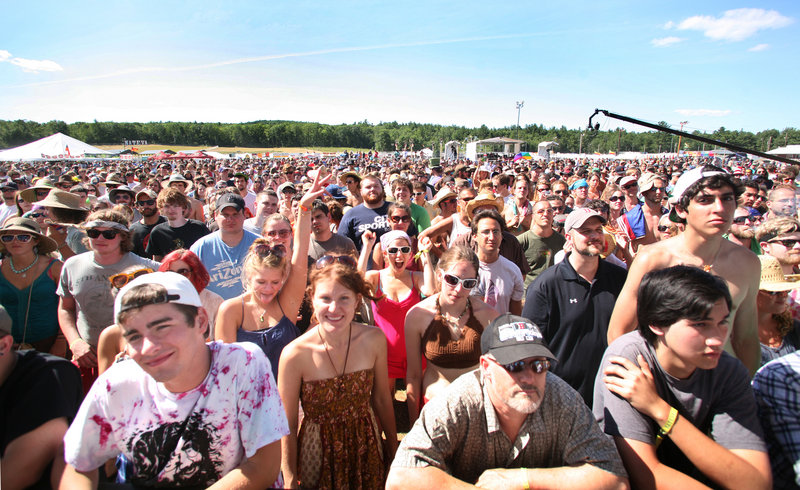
x=538 y=366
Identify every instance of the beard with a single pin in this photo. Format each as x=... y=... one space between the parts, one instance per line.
x=524 y=404
x=590 y=250
x=743 y=233
x=376 y=200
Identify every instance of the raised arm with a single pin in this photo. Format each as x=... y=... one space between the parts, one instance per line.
x=367 y=242
x=435 y=229
x=291 y=295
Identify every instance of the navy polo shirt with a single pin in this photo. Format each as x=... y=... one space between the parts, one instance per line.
x=573 y=316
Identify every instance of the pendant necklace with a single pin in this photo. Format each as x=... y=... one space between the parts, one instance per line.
x=452 y=325
x=24 y=269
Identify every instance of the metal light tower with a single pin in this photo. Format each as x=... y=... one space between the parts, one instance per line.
x=519 y=109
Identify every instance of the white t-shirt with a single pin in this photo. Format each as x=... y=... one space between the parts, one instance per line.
x=191 y=438
x=499 y=283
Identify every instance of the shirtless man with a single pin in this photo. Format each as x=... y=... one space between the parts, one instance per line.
x=706 y=199
x=643 y=218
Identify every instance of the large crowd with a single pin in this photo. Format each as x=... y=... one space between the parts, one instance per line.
x=523 y=324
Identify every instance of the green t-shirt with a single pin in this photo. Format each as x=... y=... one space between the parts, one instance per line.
x=539 y=252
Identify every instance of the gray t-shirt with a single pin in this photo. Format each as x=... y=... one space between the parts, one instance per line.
x=499 y=283
x=335 y=242
x=719 y=402
x=87 y=282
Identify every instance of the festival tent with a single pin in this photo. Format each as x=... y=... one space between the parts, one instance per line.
x=787 y=151
x=57 y=146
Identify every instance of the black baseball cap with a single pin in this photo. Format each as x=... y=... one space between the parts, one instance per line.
x=230 y=200
x=510 y=338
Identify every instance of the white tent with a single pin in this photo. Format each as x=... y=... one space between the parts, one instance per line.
x=57 y=146
x=791 y=150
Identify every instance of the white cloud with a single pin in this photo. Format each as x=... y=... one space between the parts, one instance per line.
x=669 y=25
x=36 y=65
x=703 y=112
x=666 y=41
x=30 y=65
x=758 y=47
x=737 y=24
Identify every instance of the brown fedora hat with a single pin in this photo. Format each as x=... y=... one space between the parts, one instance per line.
x=63 y=199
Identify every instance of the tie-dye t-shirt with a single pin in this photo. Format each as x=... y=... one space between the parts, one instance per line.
x=191 y=438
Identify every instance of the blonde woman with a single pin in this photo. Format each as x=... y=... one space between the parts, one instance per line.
x=274 y=282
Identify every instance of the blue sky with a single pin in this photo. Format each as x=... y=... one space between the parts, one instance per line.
x=466 y=63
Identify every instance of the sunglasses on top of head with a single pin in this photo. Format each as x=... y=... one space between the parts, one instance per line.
x=327 y=260
x=265 y=250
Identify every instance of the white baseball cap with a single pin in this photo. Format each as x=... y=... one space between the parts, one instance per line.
x=177 y=289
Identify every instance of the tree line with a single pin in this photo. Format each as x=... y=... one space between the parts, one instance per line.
x=385 y=136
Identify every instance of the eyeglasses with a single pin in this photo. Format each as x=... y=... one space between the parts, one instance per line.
x=562 y=191
x=394 y=250
x=183 y=271
x=400 y=219
x=279 y=233
x=538 y=366
x=788 y=243
x=616 y=198
x=146 y=202
x=107 y=234
x=656 y=188
x=265 y=250
x=24 y=238
x=740 y=220
x=120 y=280
x=454 y=281
x=327 y=260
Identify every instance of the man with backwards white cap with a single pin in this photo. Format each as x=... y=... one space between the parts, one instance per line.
x=705 y=198
x=181 y=412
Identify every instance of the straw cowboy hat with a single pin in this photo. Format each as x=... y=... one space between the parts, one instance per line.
x=31 y=227
x=63 y=199
x=772 y=277
x=29 y=194
x=443 y=194
x=486 y=199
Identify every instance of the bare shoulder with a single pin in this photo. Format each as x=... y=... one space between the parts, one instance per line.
x=739 y=261
x=483 y=312
x=657 y=255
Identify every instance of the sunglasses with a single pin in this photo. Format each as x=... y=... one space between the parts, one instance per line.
x=20 y=238
x=37 y=214
x=616 y=198
x=563 y=191
x=120 y=280
x=664 y=228
x=278 y=233
x=265 y=250
x=538 y=366
x=454 y=281
x=776 y=293
x=327 y=260
x=394 y=250
x=183 y=271
x=146 y=202
x=107 y=234
x=740 y=220
x=400 y=219
x=786 y=243
x=628 y=186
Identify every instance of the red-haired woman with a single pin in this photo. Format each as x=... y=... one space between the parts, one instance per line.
x=187 y=264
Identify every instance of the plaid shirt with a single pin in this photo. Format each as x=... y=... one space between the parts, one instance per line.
x=777 y=390
x=459 y=433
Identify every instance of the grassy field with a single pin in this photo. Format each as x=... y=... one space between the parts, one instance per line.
x=236 y=149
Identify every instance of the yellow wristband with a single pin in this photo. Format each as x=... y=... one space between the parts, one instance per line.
x=667 y=428
x=71 y=344
x=525 y=478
